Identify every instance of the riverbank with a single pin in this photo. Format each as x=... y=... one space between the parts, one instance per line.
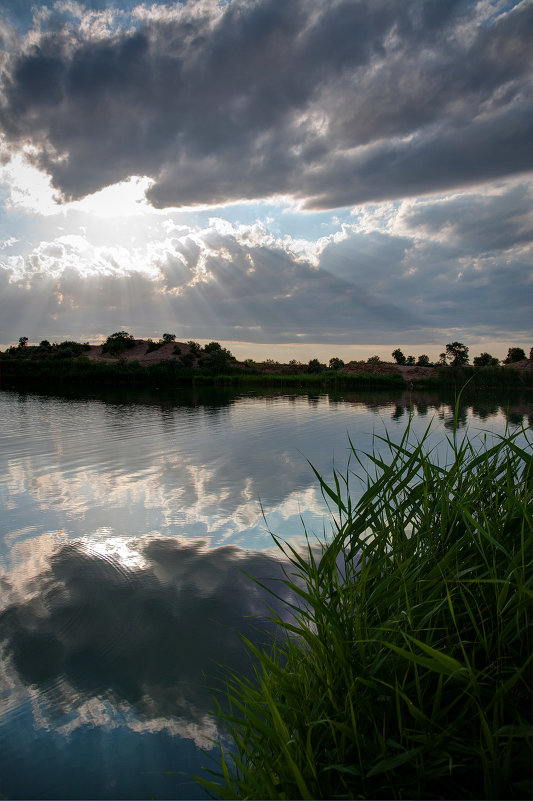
x=154 y=364
x=406 y=673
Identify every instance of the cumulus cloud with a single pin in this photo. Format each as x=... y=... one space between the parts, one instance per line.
x=409 y=271
x=334 y=103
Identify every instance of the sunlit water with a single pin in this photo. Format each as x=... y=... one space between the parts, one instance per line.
x=129 y=525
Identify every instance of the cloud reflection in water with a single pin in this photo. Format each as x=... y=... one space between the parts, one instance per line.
x=88 y=631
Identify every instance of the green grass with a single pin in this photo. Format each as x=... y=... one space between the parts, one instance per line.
x=52 y=370
x=333 y=379
x=481 y=377
x=405 y=670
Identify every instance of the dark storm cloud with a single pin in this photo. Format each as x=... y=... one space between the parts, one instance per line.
x=154 y=637
x=493 y=221
x=334 y=103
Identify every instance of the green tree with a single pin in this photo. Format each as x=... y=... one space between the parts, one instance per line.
x=217 y=359
x=410 y=360
x=398 y=356
x=531 y=353
x=314 y=366
x=423 y=360
x=168 y=338
x=194 y=347
x=335 y=363
x=514 y=355
x=118 y=342
x=212 y=347
x=457 y=354
x=373 y=360
x=23 y=341
x=486 y=360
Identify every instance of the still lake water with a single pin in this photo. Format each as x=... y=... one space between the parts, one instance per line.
x=128 y=525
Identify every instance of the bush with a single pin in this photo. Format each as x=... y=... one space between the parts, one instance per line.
x=118 y=342
x=398 y=356
x=151 y=345
x=405 y=672
x=486 y=360
x=314 y=366
x=457 y=354
x=514 y=355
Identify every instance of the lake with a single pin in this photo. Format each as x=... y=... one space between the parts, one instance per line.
x=130 y=523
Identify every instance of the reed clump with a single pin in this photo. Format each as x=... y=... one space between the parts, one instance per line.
x=405 y=670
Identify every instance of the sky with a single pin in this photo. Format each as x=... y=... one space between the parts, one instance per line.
x=291 y=178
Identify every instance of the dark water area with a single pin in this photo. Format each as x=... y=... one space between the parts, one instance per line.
x=131 y=522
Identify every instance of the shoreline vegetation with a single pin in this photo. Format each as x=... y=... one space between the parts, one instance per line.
x=124 y=360
x=404 y=671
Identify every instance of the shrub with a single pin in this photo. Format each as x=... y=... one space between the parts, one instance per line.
x=118 y=342
x=514 y=355
x=486 y=360
x=457 y=354
x=335 y=363
x=151 y=345
x=398 y=356
x=314 y=366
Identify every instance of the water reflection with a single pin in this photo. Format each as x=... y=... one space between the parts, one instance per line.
x=147 y=628
x=129 y=522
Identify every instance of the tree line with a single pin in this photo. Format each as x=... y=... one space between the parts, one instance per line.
x=456 y=355
x=216 y=358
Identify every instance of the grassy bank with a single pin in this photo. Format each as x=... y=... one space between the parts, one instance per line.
x=329 y=379
x=83 y=372
x=406 y=673
x=479 y=377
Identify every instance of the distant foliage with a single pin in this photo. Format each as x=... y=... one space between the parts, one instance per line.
x=315 y=366
x=398 y=356
x=335 y=363
x=486 y=360
x=423 y=360
x=217 y=359
x=194 y=347
x=118 y=342
x=168 y=338
x=457 y=354
x=373 y=360
x=410 y=360
x=514 y=355
x=23 y=341
x=151 y=345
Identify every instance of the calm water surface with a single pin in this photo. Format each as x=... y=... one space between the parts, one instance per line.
x=128 y=525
